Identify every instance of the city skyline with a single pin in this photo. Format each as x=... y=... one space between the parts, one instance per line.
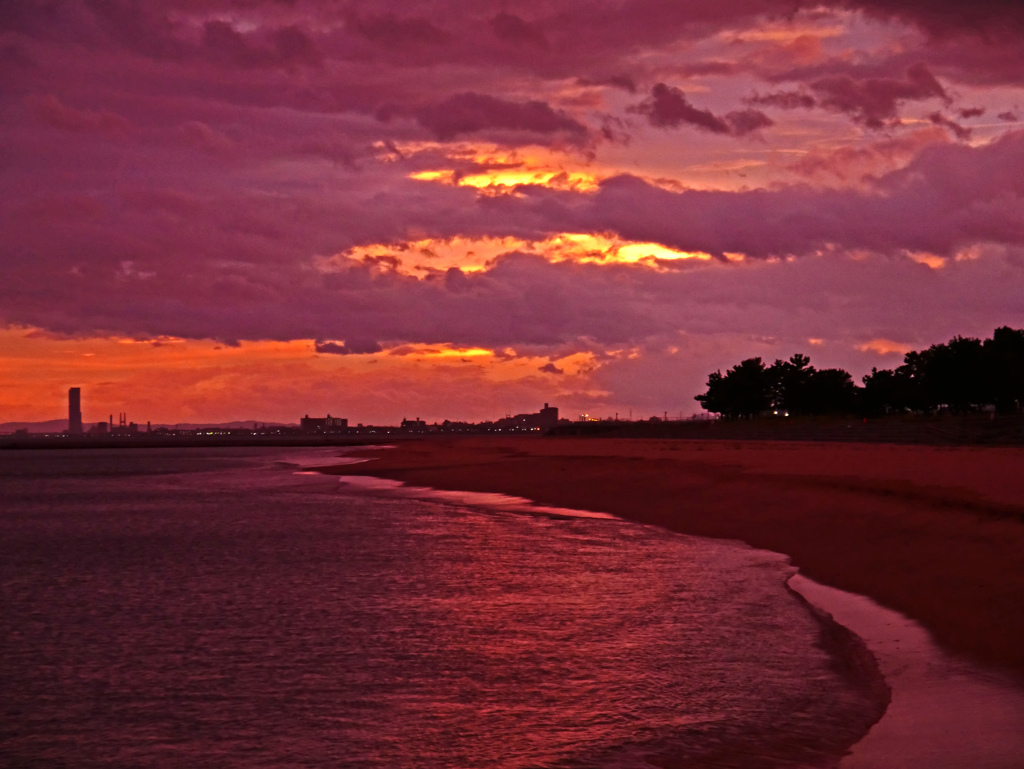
x=386 y=209
x=76 y=426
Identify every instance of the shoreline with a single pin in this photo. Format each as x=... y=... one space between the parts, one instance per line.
x=943 y=713
x=851 y=655
x=933 y=533
x=940 y=711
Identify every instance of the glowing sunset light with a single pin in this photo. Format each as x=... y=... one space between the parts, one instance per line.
x=317 y=185
x=635 y=252
x=546 y=178
x=931 y=260
x=885 y=347
x=442 y=352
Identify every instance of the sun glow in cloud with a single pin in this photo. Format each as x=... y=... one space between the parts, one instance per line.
x=213 y=382
x=443 y=352
x=931 y=260
x=491 y=180
x=885 y=347
x=422 y=257
x=491 y=169
x=300 y=172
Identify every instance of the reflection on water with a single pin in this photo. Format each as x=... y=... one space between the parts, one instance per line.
x=211 y=608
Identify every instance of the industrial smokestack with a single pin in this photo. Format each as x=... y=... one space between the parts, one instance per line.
x=75 y=411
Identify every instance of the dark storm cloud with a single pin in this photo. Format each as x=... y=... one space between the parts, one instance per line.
x=949 y=17
x=356 y=347
x=186 y=167
x=743 y=122
x=668 y=107
x=785 y=100
x=961 y=132
x=217 y=262
x=948 y=198
x=468 y=113
x=871 y=101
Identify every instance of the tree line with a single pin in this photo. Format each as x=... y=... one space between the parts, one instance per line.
x=963 y=375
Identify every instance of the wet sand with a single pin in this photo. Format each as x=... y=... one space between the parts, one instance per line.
x=935 y=533
x=943 y=713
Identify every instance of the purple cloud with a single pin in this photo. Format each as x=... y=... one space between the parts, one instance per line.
x=668 y=107
x=513 y=30
x=962 y=133
x=873 y=101
x=468 y=113
x=784 y=100
x=389 y=29
x=359 y=347
x=195 y=169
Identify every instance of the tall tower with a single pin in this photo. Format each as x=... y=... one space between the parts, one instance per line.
x=75 y=411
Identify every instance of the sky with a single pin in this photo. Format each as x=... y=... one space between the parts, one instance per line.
x=218 y=210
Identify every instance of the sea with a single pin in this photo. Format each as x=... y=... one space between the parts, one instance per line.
x=221 y=608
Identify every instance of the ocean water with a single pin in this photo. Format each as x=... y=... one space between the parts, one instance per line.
x=199 y=608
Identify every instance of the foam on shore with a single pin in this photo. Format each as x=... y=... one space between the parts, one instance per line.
x=945 y=713
x=384 y=486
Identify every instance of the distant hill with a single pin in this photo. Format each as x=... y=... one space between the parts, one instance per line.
x=59 y=425
x=52 y=426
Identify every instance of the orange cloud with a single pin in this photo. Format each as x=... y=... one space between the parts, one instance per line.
x=169 y=381
x=420 y=257
x=885 y=347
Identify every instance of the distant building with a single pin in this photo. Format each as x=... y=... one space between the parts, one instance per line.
x=414 y=426
x=123 y=426
x=540 y=421
x=322 y=424
x=75 y=411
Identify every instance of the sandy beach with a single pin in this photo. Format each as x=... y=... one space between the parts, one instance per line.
x=936 y=534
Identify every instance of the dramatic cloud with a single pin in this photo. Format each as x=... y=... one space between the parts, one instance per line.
x=560 y=184
x=348 y=348
x=468 y=113
x=785 y=100
x=958 y=130
x=872 y=101
x=950 y=17
x=668 y=107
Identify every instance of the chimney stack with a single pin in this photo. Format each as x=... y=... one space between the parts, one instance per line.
x=75 y=411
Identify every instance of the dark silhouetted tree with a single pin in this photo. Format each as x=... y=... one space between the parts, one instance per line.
x=955 y=375
x=745 y=390
x=963 y=375
x=790 y=380
x=888 y=392
x=1004 y=354
x=829 y=391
